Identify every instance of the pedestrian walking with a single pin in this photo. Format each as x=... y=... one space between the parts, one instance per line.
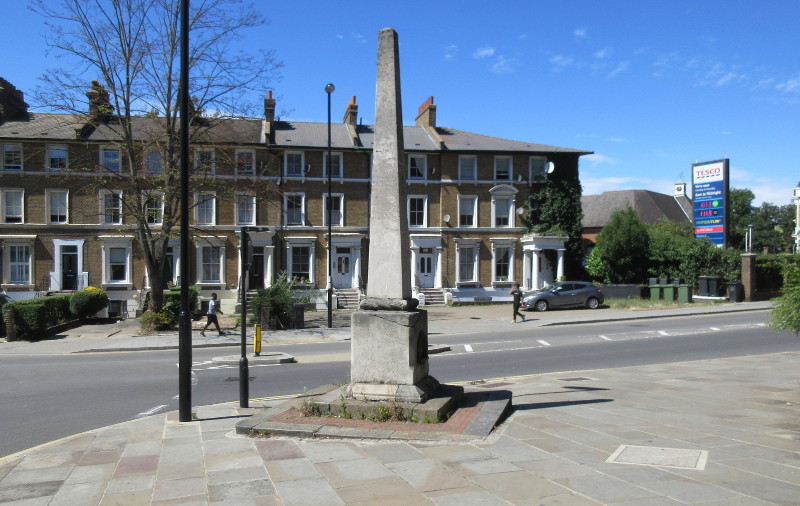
x=211 y=314
x=517 y=293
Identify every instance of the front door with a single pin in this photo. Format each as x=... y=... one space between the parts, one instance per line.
x=256 y=279
x=69 y=267
x=342 y=273
x=425 y=268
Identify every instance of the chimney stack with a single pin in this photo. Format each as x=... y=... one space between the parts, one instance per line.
x=269 y=107
x=426 y=116
x=99 y=105
x=351 y=113
x=12 y=102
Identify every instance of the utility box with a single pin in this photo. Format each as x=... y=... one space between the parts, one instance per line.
x=299 y=316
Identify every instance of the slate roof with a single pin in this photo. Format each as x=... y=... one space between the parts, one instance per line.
x=649 y=206
x=52 y=126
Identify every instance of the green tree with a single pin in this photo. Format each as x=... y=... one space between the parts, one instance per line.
x=131 y=49
x=786 y=312
x=740 y=216
x=773 y=227
x=622 y=250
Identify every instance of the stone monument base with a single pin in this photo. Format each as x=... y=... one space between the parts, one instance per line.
x=389 y=357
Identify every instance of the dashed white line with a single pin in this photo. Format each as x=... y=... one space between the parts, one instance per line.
x=468 y=348
x=151 y=411
x=714 y=328
x=663 y=332
x=605 y=338
x=543 y=343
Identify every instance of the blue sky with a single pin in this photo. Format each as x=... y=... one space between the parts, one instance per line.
x=649 y=87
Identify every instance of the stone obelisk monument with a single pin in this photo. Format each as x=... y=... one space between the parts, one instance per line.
x=389 y=347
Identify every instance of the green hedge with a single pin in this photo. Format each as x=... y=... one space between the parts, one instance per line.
x=172 y=301
x=33 y=317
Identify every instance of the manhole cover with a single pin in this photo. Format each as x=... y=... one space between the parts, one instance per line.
x=659 y=457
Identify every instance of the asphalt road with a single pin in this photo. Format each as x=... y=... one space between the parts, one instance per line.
x=43 y=398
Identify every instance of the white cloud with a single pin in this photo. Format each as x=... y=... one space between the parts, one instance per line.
x=579 y=33
x=596 y=159
x=561 y=62
x=620 y=68
x=483 y=52
x=503 y=65
x=616 y=139
x=603 y=53
x=789 y=86
x=450 y=52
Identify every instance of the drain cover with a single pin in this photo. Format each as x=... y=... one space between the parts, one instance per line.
x=659 y=457
x=236 y=378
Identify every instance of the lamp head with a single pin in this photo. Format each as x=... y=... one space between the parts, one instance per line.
x=329 y=88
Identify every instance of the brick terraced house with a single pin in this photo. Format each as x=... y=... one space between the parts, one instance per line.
x=467 y=195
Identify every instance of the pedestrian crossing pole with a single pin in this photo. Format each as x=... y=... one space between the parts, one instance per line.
x=257 y=341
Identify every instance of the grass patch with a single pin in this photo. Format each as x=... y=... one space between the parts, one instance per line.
x=645 y=304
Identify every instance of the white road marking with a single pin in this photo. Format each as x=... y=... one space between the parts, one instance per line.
x=714 y=328
x=663 y=333
x=606 y=338
x=544 y=343
x=151 y=411
x=468 y=348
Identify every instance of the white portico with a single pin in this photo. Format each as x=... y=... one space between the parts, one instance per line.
x=537 y=270
x=426 y=261
x=346 y=252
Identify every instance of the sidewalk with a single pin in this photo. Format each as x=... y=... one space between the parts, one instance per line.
x=721 y=431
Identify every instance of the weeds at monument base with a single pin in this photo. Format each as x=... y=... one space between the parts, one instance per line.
x=373 y=411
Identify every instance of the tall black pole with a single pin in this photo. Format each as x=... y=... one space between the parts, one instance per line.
x=329 y=89
x=184 y=320
x=244 y=373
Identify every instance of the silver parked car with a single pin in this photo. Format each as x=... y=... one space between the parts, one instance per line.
x=564 y=294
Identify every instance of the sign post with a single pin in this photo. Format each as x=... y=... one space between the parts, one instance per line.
x=710 y=196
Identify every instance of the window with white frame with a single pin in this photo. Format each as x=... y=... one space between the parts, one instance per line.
x=204 y=161
x=111 y=207
x=57 y=201
x=13 y=205
x=211 y=257
x=467 y=211
x=537 y=168
x=245 y=162
x=110 y=160
x=204 y=209
x=503 y=168
x=467 y=167
x=294 y=164
x=337 y=209
x=154 y=208
x=294 y=207
x=19 y=264
x=417 y=211
x=117 y=260
x=502 y=263
x=245 y=209
x=300 y=259
x=417 y=166
x=335 y=164
x=12 y=157
x=152 y=161
x=502 y=212
x=467 y=262
x=57 y=157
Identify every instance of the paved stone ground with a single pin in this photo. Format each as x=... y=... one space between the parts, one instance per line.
x=553 y=450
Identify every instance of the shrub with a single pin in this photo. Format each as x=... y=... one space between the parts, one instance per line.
x=86 y=303
x=33 y=317
x=172 y=301
x=162 y=320
x=785 y=315
x=277 y=300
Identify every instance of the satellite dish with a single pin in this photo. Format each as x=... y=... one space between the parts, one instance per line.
x=550 y=167
x=446 y=218
x=520 y=210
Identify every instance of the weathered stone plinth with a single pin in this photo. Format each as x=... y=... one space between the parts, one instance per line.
x=389 y=357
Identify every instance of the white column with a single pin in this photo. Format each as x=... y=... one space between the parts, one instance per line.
x=526 y=269
x=535 y=269
x=438 y=280
x=268 y=268
x=560 y=268
x=414 y=253
x=356 y=266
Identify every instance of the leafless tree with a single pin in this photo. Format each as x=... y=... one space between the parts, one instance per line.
x=131 y=48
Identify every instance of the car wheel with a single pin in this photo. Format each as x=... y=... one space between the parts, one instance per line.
x=593 y=303
x=541 y=305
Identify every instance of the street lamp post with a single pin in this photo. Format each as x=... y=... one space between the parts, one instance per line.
x=244 y=370
x=329 y=89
